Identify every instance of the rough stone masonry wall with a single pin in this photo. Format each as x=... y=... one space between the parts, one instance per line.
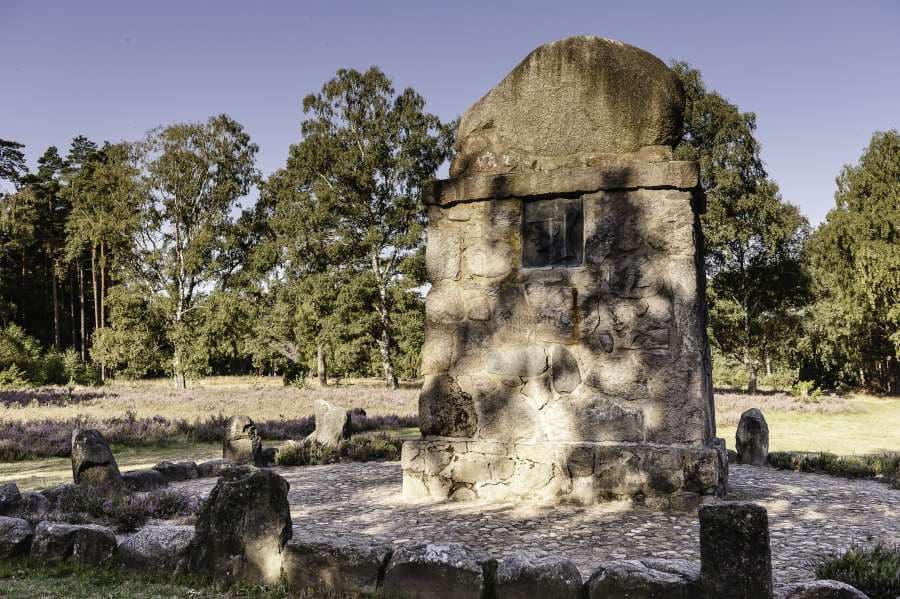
x=578 y=382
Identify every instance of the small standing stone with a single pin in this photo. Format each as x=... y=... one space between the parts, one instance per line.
x=752 y=438
x=736 y=561
x=332 y=424
x=92 y=459
x=242 y=443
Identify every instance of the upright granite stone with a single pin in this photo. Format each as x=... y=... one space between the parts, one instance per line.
x=332 y=424
x=736 y=561
x=565 y=353
x=242 y=528
x=242 y=443
x=92 y=459
x=752 y=438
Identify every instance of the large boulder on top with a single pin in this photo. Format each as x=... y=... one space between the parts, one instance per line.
x=242 y=443
x=87 y=544
x=567 y=102
x=242 y=528
x=332 y=424
x=92 y=460
x=752 y=438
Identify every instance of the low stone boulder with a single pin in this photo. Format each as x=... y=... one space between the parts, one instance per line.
x=332 y=424
x=15 y=537
x=752 y=438
x=53 y=493
x=157 y=548
x=33 y=505
x=242 y=443
x=528 y=574
x=211 y=468
x=645 y=579
x=242 y=528
x=9 y=498
x=820 y=589
x=342 y=564
x=438 y=571
x=86 y=544
x=92 y=460
x=736 y=560
x=140 y=481
x=179 y=471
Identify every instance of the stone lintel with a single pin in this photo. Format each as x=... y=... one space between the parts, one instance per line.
x=610 y=175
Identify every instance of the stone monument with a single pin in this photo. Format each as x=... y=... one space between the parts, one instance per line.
x=565 y=354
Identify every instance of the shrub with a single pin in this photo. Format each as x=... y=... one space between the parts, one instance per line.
x=882 y=465
x=804 y=389
x=115 y=507
x=357 y=449
x=781 y=379
x=873 y=570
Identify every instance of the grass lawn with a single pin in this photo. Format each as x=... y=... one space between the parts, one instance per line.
x=870 y=425
x=47 y=472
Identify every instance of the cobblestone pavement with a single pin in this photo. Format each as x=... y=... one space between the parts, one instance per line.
x=809 y=515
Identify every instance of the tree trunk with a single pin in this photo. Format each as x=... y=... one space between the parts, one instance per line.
x=384 y=347
x=72 y=309
x=178 y=377
x=55 y=294
x=321 y=366
x=102 y=324
x=81 y=308
x=768 y=365
x=94 y=283
x=751 y=384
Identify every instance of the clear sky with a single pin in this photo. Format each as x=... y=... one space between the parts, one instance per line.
x=821 y=75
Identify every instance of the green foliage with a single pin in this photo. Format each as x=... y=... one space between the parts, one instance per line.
x=884 y=466
x=781 y=379
x=854 y=330
x=755 y=280
x=874 y=570
x=357 y=449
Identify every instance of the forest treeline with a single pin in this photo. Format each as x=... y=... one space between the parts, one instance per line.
x=173 y=256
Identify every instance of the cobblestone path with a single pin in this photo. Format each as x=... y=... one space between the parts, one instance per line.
x=809 y=515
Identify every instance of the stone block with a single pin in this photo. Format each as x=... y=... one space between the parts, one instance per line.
x=155 y=548
x=736 y=561
x=333 y=424
x=517 y=361
x=242 y=443
x=92 y=460
x=178 y=471
x=645 y=579
x=15 y=537
x=86 y=544
x=9 y=498
x=139 y=481
x=438 y=571
x=564 y=370
x=528 y=574
x=820 y=589
x=445 y=409
x=345 y=564
x=211 y=468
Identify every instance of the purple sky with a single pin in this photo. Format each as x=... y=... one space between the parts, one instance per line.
x=822 y=76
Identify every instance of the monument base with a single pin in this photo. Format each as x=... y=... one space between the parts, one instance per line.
x=437 y=468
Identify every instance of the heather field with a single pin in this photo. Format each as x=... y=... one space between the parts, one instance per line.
x=148 y=421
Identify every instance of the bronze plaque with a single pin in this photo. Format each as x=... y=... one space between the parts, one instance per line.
x=552 y=232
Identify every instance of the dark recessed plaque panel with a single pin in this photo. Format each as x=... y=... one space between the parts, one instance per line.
x=552 y=232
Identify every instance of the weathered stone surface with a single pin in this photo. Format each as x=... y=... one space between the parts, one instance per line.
x=242 y=443
x=343 y=564
x=9 y=497
x=332 y=424
x=215 y=467
x=567 y=101
x=517 y=361
x=645 y=579
x=143 y=480
x=752 y=438
x=734 y=551
x=15 y=537
x=177 y=471
x=820 y=589
x=444 y=409
x=155 y=548
x=443 y=253
x=87 y=544
x=436 y=571
x=33 y=504
x=528 y=574
x=242 y=528
x=564 y=370
x=92 y=459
